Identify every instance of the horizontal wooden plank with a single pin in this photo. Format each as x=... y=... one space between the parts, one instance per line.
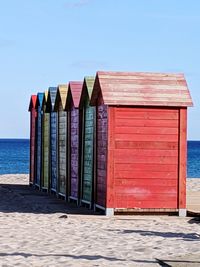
x=146 y=130
x=148 y=160
x=146 y=123
x=131 y=114
x=132 y=153
x=146 y=182
x=153 y=145
x=147 y=167
x=146 y=137
x=131 y=174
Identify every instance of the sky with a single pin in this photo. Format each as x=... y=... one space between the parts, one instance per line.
x=44 y=43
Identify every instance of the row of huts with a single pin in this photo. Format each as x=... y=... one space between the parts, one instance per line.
x=116 y=141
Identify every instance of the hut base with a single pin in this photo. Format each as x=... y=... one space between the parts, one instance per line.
x=62 y=196
x=73 y=199
x=44 y=189
x=86 y=203
x=182 y=212
x=37 y=186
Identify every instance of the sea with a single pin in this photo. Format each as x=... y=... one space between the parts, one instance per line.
x=14 y=157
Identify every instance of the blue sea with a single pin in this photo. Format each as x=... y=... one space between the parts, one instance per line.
x=14 y=157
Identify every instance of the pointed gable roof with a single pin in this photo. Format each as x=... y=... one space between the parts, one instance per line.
x=61 y=95
x=32 y=103
x=45 y=101
x=40 y=99
x=87 y=89
x=75 y=89
x=51 y=98
x=141 y=89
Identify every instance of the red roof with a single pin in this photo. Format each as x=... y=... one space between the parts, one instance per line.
x=33 y=101
x=140 y=88
x=76 y=88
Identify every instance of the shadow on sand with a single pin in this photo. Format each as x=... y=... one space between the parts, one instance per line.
x=183 y=236
x=25 y=199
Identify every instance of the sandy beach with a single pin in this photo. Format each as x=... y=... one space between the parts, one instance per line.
x=38 y=230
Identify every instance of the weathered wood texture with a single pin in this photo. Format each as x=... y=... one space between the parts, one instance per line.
x=102 y=146
x=145 y=159
x=62 y=149
x=75 y=129
x=46 y=150
x=40 y=97
x=33 y=117
x=145 y=89
x=182 y=157
x=88 y=153
x=53 y=138
x=74 y=151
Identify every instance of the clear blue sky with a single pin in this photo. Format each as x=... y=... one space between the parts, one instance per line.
x=47 y=42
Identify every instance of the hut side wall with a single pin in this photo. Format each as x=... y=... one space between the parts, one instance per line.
x=144 y=158
x=39 y=147
x=53 y=140
x=45 y=180
x=33 y=145
x=88 y=153
x=74 y=148
x=102 y=143
x=62 y=146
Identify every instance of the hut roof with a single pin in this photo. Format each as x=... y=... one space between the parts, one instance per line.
x=32 y=103
x=51 y=98
x=87 y=89
x=141 y=89
x=45 y=100
x=61 y=95
x=75 y=89
x=40 y=99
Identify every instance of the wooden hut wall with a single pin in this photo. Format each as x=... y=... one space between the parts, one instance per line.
x=143 y=164
x=74 y=147
x=33 y=117
x=45 y=145
x=102 y=146
x=40 y=97
x=62 y=144
x=75 y=89
x=62 y=140
x=53 y=139
x=88 y=128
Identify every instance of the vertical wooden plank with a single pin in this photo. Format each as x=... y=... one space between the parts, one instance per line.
x=45 y=145
x=74 y=147
x=88 y=153
x=102 y=142
x=110 y=194
x=53 y=140
x=182 y=157
x=39 y=147
x=62 y=148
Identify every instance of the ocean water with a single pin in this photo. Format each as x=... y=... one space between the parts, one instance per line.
x=14 y=157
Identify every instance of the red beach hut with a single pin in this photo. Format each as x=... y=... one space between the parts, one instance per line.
x=141 y=141
x=33 y=117
x=73 y=101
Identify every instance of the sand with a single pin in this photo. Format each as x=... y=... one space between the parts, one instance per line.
x=38 y=230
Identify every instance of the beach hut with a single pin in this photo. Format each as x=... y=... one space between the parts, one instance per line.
x=53 y=138
x=141 y=141
x=39 y=102
x=33 y=117
x=60 y=104
x=88 y=134
x=75 y=123
x=45 y=145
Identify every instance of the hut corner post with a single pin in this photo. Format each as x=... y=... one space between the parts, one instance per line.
x=110 y=167
x=182 y=162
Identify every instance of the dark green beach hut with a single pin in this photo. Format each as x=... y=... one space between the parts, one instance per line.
x=89 y=122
